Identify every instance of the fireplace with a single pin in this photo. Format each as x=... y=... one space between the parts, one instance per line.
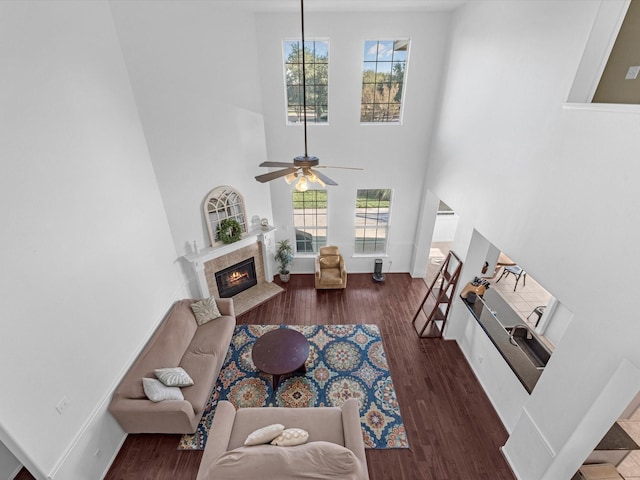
x=236 y=278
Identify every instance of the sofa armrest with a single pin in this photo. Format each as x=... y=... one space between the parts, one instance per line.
x=343 y=267
x=218 y=438
x=225 y=305
x=140 y=415
x=353 y=432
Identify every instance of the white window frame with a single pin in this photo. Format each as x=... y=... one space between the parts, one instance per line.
x=358 y=251
x=315 y=227
x=404 y=82
x=307 y=41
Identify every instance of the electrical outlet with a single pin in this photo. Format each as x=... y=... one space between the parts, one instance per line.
x=632 y=73
x=62 y=405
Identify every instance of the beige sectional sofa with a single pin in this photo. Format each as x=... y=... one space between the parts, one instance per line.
x=178 y=341
x=335 y=448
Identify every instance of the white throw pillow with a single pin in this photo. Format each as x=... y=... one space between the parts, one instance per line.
x=264 y=434
x=156 y=391
x=291 y=437
x=205 y=310
x=173 y=377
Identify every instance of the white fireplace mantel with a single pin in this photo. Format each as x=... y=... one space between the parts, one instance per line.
x=197 y=260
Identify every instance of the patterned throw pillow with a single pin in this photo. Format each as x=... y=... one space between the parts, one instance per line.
x=173 y=377
x=291 y=437
x=264 y=434
x=156 y=391
x=205 y=310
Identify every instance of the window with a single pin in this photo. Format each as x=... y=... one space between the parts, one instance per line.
x=310 y=220
x=372 y=221
x=385 y=62
x=221 y=203
x=316 y=64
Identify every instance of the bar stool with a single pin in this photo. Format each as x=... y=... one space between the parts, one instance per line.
x=517 y=272
x=539 y=310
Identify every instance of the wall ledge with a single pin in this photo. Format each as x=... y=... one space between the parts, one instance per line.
x=603 y=107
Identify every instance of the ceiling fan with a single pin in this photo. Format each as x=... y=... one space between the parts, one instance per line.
x=304 y=166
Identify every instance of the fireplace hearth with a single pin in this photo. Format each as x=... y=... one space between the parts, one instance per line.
x=236 y=278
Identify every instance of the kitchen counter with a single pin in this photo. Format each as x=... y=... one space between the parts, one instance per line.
x=494 y=314
x=617 y=439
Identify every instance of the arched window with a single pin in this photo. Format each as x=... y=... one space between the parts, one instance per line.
x=220 y=203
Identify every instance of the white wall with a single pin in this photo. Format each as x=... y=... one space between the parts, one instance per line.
x=194 y=72
x=445 y=228
x=392 y=156
x=556 y=189
x=87 y=255
x=9 y=464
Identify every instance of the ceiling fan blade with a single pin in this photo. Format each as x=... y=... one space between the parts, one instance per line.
x=324 y=178
x=276 y=164
x=344 y=168
x=267 y=177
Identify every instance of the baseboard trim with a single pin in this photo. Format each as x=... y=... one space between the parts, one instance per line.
x=15 y=474
x=113 y=457
x=507 y=459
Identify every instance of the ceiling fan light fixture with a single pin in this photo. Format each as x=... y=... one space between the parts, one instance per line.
x=290 y=178
x=302 y=185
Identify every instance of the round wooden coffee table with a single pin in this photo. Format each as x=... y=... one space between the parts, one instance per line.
x=280 y=352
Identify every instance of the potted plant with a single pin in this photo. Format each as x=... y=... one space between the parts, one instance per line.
x=284 y=257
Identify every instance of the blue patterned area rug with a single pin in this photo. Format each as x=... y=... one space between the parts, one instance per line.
x=345 y=361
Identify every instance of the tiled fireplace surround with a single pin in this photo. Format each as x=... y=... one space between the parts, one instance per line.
x=258 y=244
x=217 y=264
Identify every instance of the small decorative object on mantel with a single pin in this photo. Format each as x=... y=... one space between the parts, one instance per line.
x=265 y=224
x=284 y=256
x=229 y=230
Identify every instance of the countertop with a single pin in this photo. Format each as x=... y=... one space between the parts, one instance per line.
x=494 y=325
x=617 y=439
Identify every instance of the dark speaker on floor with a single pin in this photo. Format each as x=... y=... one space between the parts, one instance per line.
x=378 y=276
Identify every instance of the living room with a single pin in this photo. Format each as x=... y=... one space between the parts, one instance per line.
x=122 y=116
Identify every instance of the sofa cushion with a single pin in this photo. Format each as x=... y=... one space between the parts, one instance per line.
x=329 y=261
x=173 y=377
x=316 y=460
x=264 y=434
x=166 y=347
x=203 y=359
x=329 y=250
x=331 y=276
x=209 y=339
x=156 y=391
x=205 y=310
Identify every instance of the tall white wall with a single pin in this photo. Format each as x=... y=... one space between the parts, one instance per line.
x=9 y=464
x=393 y=156
x=556 y=189
x=87 y=255
x=194 y=71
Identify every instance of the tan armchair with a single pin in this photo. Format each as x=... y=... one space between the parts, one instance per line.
x=330 y=269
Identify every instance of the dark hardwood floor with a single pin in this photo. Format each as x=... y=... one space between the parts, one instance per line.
x=453 y=431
